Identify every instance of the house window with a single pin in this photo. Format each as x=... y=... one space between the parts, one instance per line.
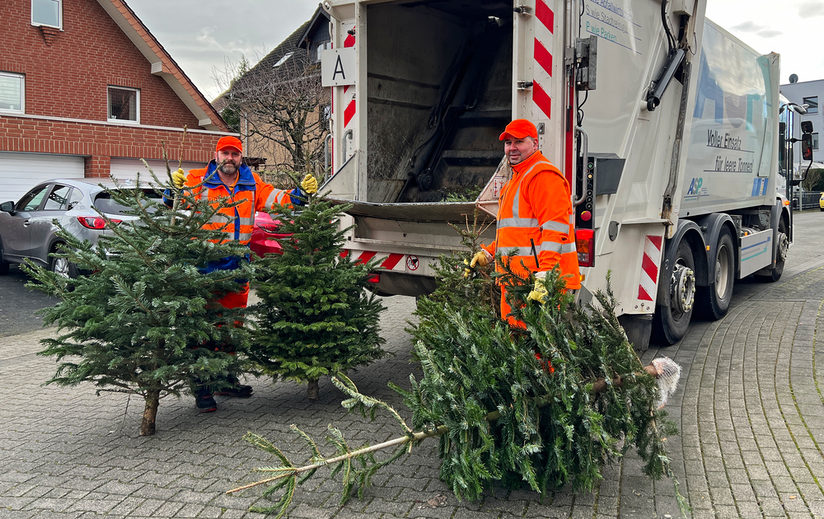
x=47 y=12
x=812 y=104
x=322 y=47
x=124 y=104
x=283 y=59
x=12 y=93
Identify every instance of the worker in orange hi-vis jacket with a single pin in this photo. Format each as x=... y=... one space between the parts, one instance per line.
x=535 y=220
x=228 y=178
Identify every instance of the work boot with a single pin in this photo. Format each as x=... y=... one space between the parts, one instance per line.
x=237 y=391
x=234 y=388
x=205 y=400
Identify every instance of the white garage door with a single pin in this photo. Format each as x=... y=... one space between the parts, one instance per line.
x=127 y=169
x=20 y=172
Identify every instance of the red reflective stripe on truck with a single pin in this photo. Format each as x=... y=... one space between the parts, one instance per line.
x=545 y=15
x=390 y=262
x=542 y=99
x=365 y=256
x=649 y=267
x=570 y=135
x=543 y=57
x=349 y=113
x=348 y=42
x=642 y=294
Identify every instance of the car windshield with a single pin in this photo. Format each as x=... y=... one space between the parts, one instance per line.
x=106 y=204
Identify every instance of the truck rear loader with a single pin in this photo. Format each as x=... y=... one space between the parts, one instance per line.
x=665 y=125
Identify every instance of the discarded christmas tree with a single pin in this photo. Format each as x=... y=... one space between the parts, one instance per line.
x=546 y=406
x=132 y=320
x=568 y=390
x=315 y=317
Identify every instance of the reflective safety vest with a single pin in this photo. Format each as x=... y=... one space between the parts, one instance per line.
x=535 y=228
x=252 y=193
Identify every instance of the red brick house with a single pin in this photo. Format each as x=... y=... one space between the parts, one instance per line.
x=87 y=91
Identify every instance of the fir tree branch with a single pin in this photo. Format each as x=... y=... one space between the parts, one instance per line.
x=410 y=438
x=346 y=385
x=294 y=471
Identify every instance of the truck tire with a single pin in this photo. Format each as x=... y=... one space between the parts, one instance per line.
x=715 y=299
x=783 y=244
x=672 y=320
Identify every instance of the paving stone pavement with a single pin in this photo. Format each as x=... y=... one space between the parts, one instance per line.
x=749 y=408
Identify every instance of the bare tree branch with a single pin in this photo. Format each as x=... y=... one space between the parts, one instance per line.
x=283 y=108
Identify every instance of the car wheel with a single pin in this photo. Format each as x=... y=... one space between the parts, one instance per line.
x=4 y=265
x=715 y=299
x=62 y=266
x=672 y=320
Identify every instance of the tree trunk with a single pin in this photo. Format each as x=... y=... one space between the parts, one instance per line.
x=147 y=426
x=312 y=389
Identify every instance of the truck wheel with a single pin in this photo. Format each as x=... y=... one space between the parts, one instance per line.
x=716 y=298
x=672 y=320
x=781 y=254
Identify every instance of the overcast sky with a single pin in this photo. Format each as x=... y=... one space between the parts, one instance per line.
x=206 y=37
x=788 y=27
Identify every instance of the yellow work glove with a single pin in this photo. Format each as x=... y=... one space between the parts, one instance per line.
x=481 y=259
x=179 y=178
x=309 y=184
x=539 y=292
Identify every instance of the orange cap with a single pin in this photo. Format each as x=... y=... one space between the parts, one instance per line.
x=518 y=129
x=229 y=142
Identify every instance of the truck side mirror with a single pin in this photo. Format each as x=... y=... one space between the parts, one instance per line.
x=782 y=143
x=806 y=127
x=807 y=146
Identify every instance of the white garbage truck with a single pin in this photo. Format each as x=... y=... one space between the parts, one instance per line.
x=665 y=125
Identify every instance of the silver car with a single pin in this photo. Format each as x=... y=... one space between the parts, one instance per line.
x=28 y=229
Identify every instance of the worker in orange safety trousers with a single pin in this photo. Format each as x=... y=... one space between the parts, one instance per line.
x=227 y=178
x=535 y=220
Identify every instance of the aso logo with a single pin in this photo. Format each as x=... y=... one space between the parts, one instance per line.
x=695 y=186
